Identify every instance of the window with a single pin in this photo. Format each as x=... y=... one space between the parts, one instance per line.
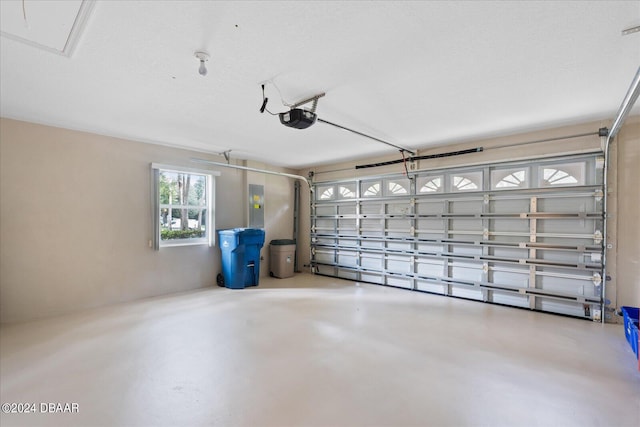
x=183 y=208
x=326 y=194
x=469 y=181
x=502 y=179
x=430 y=184
x=370 y=189
x=563 y=174
x=396 y=187
x=347 y=191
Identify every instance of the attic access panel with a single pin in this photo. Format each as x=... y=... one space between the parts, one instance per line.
x=54 y=26
x=519 y=234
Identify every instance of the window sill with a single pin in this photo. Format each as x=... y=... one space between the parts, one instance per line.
x=184 y=243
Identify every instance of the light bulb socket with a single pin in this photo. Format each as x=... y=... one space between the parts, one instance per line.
x=202 y=57
x=202 y=70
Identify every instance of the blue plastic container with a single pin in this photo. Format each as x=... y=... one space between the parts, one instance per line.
x=631 y=315
x=240 y=249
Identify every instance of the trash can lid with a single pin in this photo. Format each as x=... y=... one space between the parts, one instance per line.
x=279 y=242
x=245 y=231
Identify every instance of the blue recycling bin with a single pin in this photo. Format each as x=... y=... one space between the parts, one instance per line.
x=240 y=249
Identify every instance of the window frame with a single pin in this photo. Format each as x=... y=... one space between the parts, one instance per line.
x=210 y=237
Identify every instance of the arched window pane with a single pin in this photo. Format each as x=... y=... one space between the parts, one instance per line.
x=396 y=188
x=327 y=194
x=370 y=190
x=563 y=174
x=346 y=192
x=468 y=181
x=509 y=178
x=430 y=185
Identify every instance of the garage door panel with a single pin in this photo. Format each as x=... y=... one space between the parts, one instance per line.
x=466 y=250
x=347 y=274
x=430 y=208
x=504 y=225
x=398 y=265
x=325 y=224
x=349 y=259
x=431 y=269
x=520 y=234
x=561 y=307
x=399 y=282
x=566 y=282
x=465 y=206
x=466 y=224
x=430 y=248
x=511 y=278
x=326 y=270
x=372 y=261
x=509 y=253
x=372 y=278
x=370 y=243
x=567 y=257
x=566 y=226
x=348 y=242
x=325 y=240
x=399 y=246
x=510 y=298
x=435 y=288
x=429 y=224
x=465 y=271
x=509 y=205
x=326 y=210
x=467 y=292
x=370 y=226
x=567 y=241
x=371 y=208
x=347 y=209
x=402 y=225
x=566 y=204
x=398 y=208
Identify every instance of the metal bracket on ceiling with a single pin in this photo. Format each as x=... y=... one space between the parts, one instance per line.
x=305 y=101
x=227 y=155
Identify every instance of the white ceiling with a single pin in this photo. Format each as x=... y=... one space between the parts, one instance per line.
x=417 y=74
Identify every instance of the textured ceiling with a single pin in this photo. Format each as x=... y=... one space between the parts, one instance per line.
x=416 y=74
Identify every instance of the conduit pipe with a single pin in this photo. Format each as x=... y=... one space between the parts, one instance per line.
x=245 y=168
x=623 y=112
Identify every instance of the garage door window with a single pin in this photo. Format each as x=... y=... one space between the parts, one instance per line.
x=430 y=184
x=563 y=174
x=503 y=179
x=471 y=181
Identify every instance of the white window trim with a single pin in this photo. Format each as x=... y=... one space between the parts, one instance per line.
x=210 y=175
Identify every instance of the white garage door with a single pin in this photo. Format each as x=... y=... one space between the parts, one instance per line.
x=525 y=234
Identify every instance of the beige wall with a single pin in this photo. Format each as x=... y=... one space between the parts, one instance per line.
x=627 y=244
x=624 y=288
x=75 y=221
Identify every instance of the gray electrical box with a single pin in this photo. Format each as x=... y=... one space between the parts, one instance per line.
x=256 y=206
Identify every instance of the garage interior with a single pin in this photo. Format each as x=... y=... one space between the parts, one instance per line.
x=462 y=193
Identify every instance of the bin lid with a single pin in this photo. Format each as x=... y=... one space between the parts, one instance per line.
x=279 y=242
x=244 y=231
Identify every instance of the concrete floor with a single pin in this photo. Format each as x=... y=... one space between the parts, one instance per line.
x=317 y=351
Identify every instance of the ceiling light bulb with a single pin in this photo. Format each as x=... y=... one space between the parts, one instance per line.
x=202 y=57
